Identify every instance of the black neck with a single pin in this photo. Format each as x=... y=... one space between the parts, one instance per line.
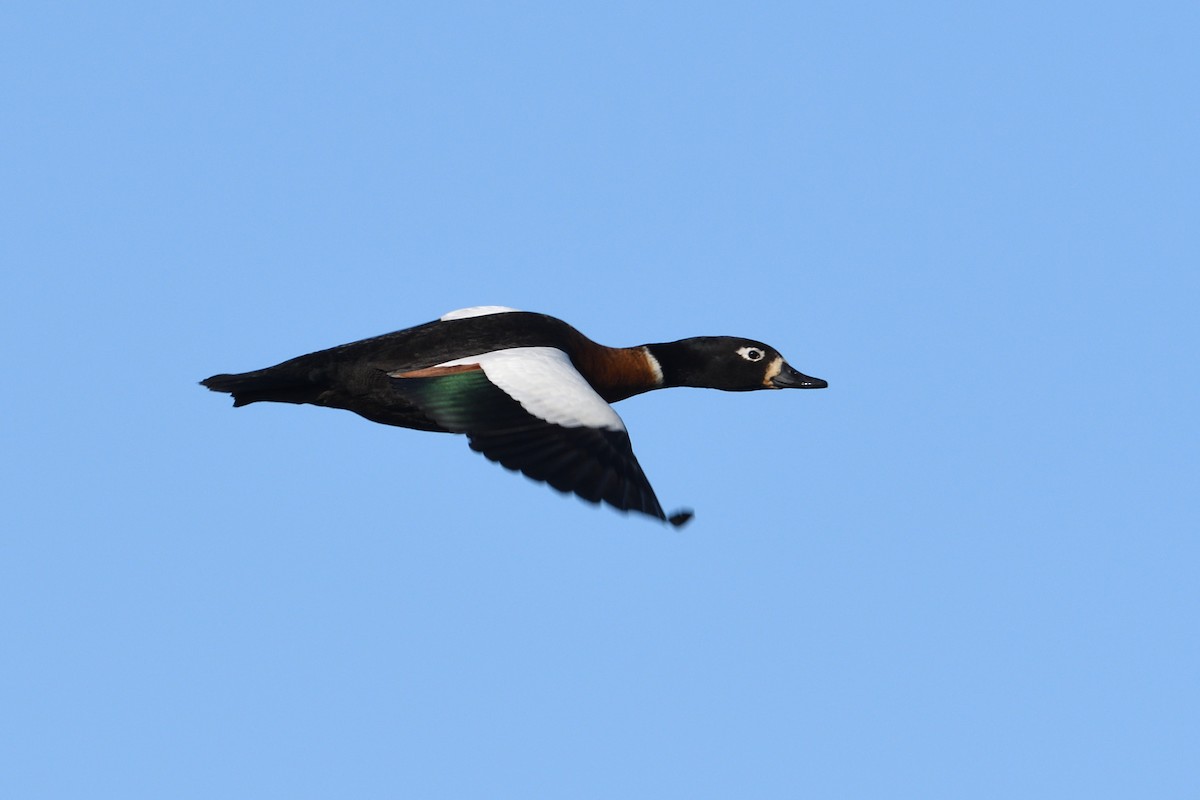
x=682 y=362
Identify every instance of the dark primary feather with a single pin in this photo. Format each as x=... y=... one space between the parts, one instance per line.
x=594 y=463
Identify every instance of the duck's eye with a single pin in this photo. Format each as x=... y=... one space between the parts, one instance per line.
x=751 y=353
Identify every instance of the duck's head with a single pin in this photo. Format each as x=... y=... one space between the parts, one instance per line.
x=729 y=363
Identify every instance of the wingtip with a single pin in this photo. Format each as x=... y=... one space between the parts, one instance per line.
x=681 y=517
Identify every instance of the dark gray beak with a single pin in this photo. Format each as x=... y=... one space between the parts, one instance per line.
x=789 y=378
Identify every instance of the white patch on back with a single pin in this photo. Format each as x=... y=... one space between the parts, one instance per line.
x=547 y=385
x=474 y=311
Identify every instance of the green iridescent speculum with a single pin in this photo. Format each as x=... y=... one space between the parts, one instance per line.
x=462 y=400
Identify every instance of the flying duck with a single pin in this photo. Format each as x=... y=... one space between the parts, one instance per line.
x=528 y=390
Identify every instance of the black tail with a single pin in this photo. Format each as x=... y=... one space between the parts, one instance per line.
x=274 y=384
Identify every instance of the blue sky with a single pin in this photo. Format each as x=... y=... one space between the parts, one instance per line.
x=967 y=569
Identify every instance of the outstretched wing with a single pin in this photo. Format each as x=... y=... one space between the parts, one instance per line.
x=530 y=410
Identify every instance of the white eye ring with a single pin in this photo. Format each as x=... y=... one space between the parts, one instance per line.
x=751 y=353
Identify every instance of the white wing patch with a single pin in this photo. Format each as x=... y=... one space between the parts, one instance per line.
x=475 y=311
x=546 y=384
